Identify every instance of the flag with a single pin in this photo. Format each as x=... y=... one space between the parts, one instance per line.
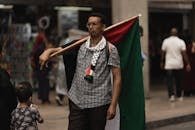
x=126 y=37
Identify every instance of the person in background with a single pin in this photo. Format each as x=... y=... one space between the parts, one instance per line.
x=8 y=100
x=173 y=54
x=61 y=84
x=189 y=83
x=43 y=74
x=92 y=97
x=26 y=115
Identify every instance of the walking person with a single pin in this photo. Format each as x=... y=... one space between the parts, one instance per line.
x=93 y=98
x=173 y=54
x=26 y=115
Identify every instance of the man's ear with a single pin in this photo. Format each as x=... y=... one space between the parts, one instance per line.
x=104 y=27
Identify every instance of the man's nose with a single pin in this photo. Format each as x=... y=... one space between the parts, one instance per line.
x=90 y=26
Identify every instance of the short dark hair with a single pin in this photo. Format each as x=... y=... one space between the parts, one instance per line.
x=24 y=91
x=101 y=16
x=174 y=31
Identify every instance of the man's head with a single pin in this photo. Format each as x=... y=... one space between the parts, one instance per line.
x=173 y=32
x=24 y=92
x=96 y=24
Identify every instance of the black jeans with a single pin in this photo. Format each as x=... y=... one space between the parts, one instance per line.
x=87 y=119
x=44 y=87
x=174 y=75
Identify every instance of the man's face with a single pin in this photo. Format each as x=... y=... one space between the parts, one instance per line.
x=95 y=27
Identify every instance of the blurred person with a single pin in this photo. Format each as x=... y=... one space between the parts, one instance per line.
x=189 y=83
x=143 y=54
x=26 y=114
x=39 y=40
x=91 y=98
x=8 y=100
x=61 y=85
x=173 y=53
x=42 y=75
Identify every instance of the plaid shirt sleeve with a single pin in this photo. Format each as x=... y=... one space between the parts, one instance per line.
x=114 y=59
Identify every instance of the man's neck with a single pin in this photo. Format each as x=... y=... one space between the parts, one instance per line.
x=95 y=40
x=23 y=104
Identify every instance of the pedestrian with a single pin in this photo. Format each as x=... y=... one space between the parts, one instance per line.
x=91 y=98
x=8 y=100
x=173 y=54
x=61 y=84
x=26 y=114
x=43 y=74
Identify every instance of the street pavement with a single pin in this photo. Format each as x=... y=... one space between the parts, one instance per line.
x=55 y=117
x=181 y=126
x=157 y=108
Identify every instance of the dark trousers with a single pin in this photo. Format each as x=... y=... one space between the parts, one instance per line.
x=87 y=119
x=174 y=76
x=43 y=90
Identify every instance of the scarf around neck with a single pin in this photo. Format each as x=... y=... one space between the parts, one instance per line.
x=96 y=49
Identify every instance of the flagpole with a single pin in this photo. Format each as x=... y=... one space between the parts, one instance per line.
x=124 y=21
x=85 y=38
x=69 y=47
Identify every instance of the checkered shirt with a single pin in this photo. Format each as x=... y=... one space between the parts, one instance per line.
x=98 y=93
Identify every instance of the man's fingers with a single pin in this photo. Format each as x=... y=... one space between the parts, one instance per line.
x=110 y=116
x=42 y=63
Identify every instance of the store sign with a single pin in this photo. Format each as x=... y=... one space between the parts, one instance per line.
x=67 y=19
x=23 y=32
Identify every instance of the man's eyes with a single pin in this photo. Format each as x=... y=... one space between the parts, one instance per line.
x=93 y=24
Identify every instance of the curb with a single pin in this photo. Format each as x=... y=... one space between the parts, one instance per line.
x=170 y=121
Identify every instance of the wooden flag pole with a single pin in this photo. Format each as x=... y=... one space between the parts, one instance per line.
x=69 y=47
x=119 y=23
x=85 y=38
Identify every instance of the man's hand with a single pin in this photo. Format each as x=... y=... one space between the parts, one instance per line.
x=111 y=112
x=46 y=55
x=188 y=67
x=43 y=58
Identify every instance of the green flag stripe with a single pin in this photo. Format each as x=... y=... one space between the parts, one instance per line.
x=131 y=101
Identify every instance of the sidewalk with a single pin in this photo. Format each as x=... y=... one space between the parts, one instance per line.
x=159 y=111
x=55 y=117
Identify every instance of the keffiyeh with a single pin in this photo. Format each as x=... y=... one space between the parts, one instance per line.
x=96 y=53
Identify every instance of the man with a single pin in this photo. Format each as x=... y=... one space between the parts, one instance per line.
x=173 y=53
x=92 y=99
x=8 y=100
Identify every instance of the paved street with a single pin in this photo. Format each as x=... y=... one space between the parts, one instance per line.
x=182 y=126
x=55 y=117
x=157 y=108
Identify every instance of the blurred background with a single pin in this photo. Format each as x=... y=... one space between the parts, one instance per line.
x=22 y=21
